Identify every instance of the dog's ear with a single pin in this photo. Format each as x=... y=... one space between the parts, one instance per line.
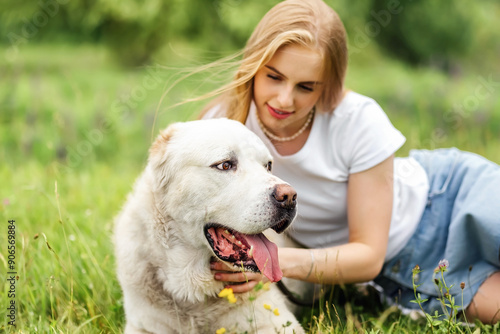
x=159 y=145
x=158 y=155
x=160 y=170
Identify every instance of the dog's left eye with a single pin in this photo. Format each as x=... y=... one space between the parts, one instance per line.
x=269 y=166
x=226 y=165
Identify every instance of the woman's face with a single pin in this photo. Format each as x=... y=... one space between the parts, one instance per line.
x=287 y=88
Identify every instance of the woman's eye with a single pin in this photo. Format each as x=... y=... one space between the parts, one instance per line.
x=226 y=165
x=306 y=88
x=273 y=77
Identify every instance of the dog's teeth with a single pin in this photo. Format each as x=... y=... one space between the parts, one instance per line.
x=233 y=237
x=238 y=243
x=250 y=252
x=226 y=231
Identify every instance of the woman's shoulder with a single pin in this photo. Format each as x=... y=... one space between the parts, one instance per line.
x=354 y=110
x=361 y=133
x=354 y=103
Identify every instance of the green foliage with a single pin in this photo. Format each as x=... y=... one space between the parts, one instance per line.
x=51 y=107
x=420 y=32
x=424 y=31
x=134 y=30
x=449 y=321
x=69 y=116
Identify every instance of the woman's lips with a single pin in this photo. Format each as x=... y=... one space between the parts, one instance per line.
x=279 y=114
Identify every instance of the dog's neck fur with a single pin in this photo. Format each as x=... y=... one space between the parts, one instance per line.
x=182 y=310
x=188 y=279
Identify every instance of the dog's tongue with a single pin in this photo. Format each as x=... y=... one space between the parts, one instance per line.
x=265 y=255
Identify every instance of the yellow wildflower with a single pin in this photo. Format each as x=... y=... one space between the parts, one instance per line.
x=266 y=286
x=225 y=292
x=220 y=331
x=228 y=294
x=276 y=312
x=267 y=306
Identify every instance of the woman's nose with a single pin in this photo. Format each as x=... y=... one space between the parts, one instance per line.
x=285 y=97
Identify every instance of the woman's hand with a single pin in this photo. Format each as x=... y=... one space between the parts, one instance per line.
x=238 y=280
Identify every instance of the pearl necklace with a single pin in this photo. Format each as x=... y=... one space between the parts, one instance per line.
x=283 y=139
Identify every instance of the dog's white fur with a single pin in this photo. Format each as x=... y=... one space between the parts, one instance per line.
x=161 y=251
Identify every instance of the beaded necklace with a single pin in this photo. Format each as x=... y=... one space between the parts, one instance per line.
x=283 y=139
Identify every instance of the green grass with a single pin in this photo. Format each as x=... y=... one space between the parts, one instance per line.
x=71 y=120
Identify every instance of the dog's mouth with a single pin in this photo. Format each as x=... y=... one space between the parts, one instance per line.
x=252 y=251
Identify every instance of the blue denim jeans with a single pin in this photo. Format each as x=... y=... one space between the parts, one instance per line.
x=461 y=223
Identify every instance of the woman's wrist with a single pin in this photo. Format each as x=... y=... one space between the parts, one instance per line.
x=312 y=265
x=297 y=263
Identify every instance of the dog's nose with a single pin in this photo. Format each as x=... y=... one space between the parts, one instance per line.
x=285 y=196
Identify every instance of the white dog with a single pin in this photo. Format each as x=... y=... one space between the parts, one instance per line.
x=207 y=192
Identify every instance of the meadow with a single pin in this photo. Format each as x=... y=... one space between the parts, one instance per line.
x=75 y=129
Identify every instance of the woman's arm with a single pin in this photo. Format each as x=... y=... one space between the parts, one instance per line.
x=369 y=208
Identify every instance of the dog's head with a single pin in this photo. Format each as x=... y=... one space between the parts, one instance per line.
x=213 y=179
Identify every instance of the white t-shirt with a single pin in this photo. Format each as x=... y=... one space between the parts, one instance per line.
x=356 y=136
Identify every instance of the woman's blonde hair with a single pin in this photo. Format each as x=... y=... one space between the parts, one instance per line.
x=309 y=23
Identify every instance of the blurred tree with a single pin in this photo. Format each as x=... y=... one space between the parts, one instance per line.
x=424 y=31
x=133 y=29
x=418 y=31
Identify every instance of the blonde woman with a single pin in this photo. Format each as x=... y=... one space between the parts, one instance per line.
x=363 y=214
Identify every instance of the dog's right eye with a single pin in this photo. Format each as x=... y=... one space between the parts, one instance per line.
x=226 y=165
